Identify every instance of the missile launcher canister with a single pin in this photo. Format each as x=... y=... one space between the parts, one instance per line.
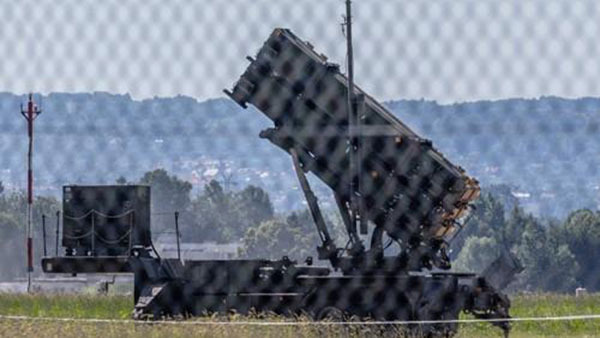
x=403 y=185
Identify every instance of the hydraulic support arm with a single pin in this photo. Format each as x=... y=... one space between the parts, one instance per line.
x=328 y=250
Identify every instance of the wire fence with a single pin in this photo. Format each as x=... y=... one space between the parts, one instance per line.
x=302 y=323
x=471 y=135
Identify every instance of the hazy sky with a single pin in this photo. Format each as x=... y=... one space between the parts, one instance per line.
x=451 y=50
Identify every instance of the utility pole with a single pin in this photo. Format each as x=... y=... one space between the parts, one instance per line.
x=30 y=115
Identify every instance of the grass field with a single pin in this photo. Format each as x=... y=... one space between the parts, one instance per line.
x=119 y=307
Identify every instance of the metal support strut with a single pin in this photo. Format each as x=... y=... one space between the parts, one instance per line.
x=57 y=229
x=328 y=250
x=44 y=233
x=177 y=235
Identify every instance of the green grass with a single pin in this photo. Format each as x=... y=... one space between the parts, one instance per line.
x=68 y=305
x=119 y=307
x=546 y=305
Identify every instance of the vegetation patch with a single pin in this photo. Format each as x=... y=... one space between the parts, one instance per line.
x=119 y=307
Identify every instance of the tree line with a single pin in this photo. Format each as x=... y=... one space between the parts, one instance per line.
x=558 y=255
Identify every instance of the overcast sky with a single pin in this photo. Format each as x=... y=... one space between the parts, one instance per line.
x=453 y=50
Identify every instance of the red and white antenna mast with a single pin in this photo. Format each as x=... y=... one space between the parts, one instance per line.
x=30 y=114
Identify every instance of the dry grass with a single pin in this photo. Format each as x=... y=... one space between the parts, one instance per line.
x=119 y=307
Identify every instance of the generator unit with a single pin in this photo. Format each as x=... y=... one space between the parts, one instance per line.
x=102 y=226
x=105 y=220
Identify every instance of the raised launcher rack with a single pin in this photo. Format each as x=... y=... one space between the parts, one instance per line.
x=401 y=184
x=383 y=176
x=102 y=227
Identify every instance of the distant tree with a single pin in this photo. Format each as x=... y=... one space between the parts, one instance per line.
x=293 y=236
x=252 y=207
x=13 y=207
x=204 y=223
x=225 y=216
x=16 y=204
x=307 y=238
x=121 y=180
x=11 y=249
x=581 y=231
x=301 y=220
x=1 y=187
x=220 y=213
x=216 y=195
x=486 y=220
x=511 y=234
x=549 y=264
x=212 y=217
x=477 y=254
x=268 y=240
x=543 y=249
x=169 y=193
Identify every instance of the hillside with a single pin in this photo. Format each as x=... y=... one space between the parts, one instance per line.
x=545 y=149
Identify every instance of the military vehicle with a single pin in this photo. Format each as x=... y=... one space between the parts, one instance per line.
x=400 y=199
